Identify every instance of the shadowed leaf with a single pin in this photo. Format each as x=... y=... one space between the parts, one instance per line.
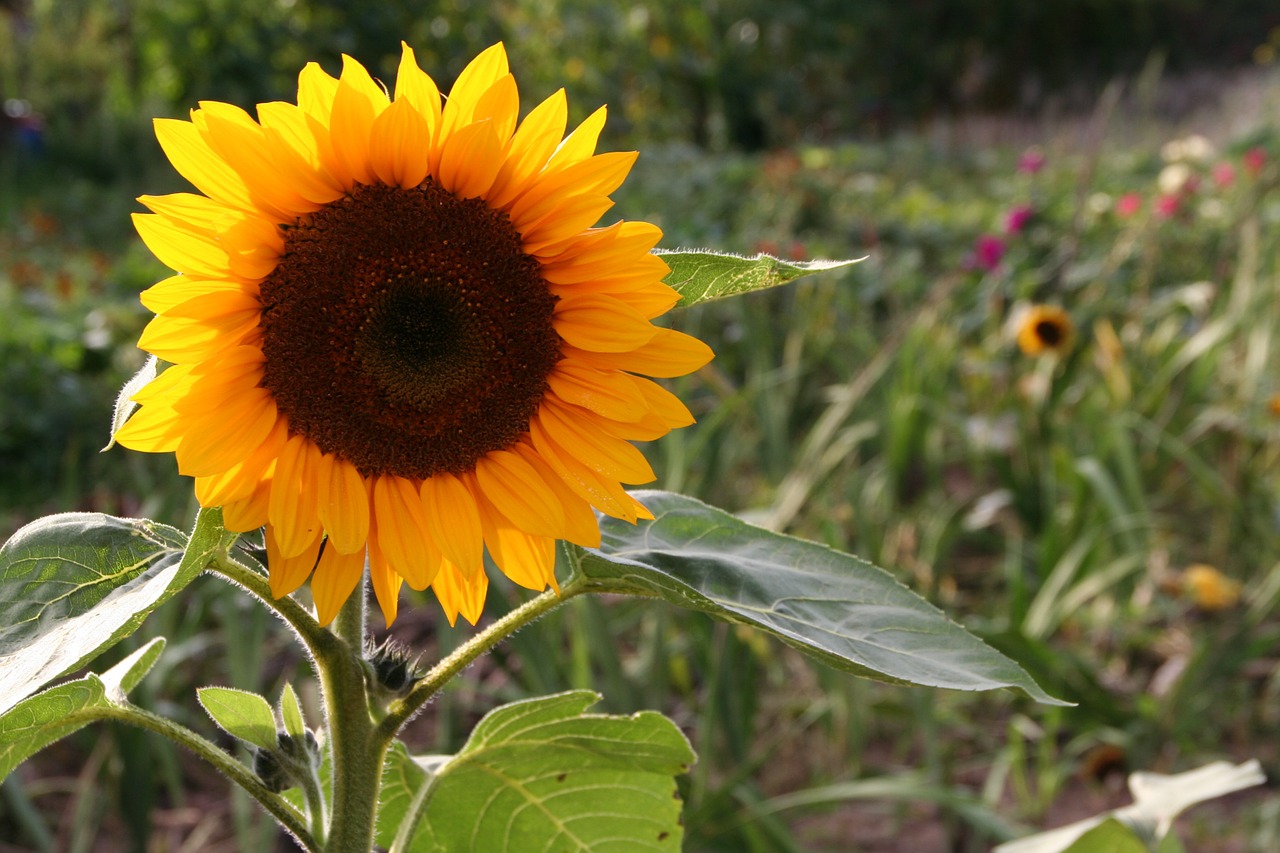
x=833 y=606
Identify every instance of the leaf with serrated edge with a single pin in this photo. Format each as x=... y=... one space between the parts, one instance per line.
x=73 y=585
x=241 y=714
x=701 y=276
x=542 y=775
x=125 y=405
x=830 y=605
x=39 y=720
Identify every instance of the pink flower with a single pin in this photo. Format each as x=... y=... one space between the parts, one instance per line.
x=987 y=252
x=1224 y=175
x=1031 y=161
x=1128 y=205
x=1167 y=206
x=1254 y=159
x=1016 y=219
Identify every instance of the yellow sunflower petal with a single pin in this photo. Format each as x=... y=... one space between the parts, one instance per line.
x=293 y=507
x=181 y=249
x=602 y=493
x=356 y=104
x=200 y=165
x=343 y=504
x=296 y=149
x=177 y=289
x=153 y=428
x=607 y=392
x=240 y=481
x=385 y=579
x=459 y=594
x=242 y=144
x=526 y=559
x=402 y=531
x=400 y=146
x=470 y=159
x=570 y=426
x=316 y=91
x=454 y=522
x=286 y=574
x=180 y=339
x=215 y=441
x=336 y=576
x=580 y=144
x=564 y=221
x=516 y=490
x=500 y=104
x=417 y=87
x=580 y=524
x=532 y=145
x=248 y=513
x=667 y=354
x=480 y=73
x=599 y=175
x=601 y=323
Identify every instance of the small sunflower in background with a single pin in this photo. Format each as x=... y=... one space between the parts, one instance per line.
x=397 y=337
x=1209 y=588
x=1044 y=330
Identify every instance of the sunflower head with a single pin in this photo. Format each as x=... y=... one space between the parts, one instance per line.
x=397 y=338
x=1209 y=588
x=1044 y=330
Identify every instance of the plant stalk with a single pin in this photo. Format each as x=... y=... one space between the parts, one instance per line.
x=357 y=749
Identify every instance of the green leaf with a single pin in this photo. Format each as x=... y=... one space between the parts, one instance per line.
x=240 y=713
x=75 y=584
x=38 y=721
x=833 y=606
x=125 y=405
x=543 y=775
x=701 y=276
x=1110 y=836
x=291 y=713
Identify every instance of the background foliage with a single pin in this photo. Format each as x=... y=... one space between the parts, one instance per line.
x=1066 y=507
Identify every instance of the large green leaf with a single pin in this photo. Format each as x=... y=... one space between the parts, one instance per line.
x=73 y=585
x=543 y=775
x=38 y=721
x=701 y=276
x=833 y=606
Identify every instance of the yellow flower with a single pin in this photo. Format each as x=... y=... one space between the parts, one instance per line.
x=1045 y=329
x=397 y=337
x=1209 y=588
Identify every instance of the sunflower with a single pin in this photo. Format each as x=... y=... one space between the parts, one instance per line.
x=1044 y=329
x=396 y=337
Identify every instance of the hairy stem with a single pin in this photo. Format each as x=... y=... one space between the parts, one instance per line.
x=276 y=806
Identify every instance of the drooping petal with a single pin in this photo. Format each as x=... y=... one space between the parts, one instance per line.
x=287 y=573
x=454 y=522
x=336 y=577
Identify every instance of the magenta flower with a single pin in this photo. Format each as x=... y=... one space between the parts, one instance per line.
x=988 y=251
x=1016 y=219
x=1167 y=206
x=1254 y=159
x=1031 y=161
x=1224 y=175
x=1128 y=205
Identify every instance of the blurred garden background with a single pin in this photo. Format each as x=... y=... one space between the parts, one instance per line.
x=1048 y=400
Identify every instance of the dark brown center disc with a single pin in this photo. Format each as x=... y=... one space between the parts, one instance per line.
x=1049 y=332
x=406 y=332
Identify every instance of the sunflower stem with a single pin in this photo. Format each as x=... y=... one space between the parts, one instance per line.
x=357 y=749
x=228 y=766
x=293 y=613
